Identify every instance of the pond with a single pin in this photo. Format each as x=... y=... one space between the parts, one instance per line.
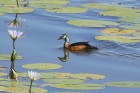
x=114 y=67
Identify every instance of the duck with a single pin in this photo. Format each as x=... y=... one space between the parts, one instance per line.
x=78 y=46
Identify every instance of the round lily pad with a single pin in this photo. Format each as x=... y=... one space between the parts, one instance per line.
x=8 y=57
x=130 y=19
x=16 y=9
x=2 y=74
x=136 y=34
x=135 y=26
x=12 y=2
x=64 y=81
x=128 y=84
x=121 y=39
x=42 y=66
x=91 y=23
x=84 y=86
x=3 y=88
x=1 y=14
x=117 y=31
x=46 y=6
x=67 y=10
x=63 y=2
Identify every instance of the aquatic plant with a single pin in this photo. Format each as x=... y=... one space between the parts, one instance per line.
x=32 y=76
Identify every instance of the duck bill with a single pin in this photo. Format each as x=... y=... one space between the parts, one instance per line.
x=60 y=38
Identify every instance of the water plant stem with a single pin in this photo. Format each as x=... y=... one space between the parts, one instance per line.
x=17 y=3
x=30 y=86
x=14 y=46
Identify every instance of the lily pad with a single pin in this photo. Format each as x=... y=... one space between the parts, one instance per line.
x=68 y=92
x=3 y=88
x=16 y=9
x=91 y=23
x=8 y=57
x=121 y=39
x=64 y=81
x=42 y=66
x=12 y=2
x=134 y=26
x=120 y=13
x=2 y=74
x=46 y=6
x=117 y=31
x=68 y=10
x=62 y=2
x=128 y=84
x=84 y=86
x=136 y=34
x=130 y=19
x=1 y=14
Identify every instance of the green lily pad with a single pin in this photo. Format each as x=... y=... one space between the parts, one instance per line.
x=42 y=66
x=3 y=88
x=121 y=39
x=91 y=23
x=12 y=2
x=130 y=19
x=64 y=81
x=10 y=83
x=1 y=14
x=1 y=79
x=136 y=34
x=2 y=74
x=117 y=31
x=135 y=26
x=120 y=13
x=63 y=2
x=128 y=84
x=8 y=57
x=46 y=6
x=84 y=86
x=68 y=10
x=16 y=9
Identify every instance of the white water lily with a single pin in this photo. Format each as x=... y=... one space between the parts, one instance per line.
x=15 y=34
x=33 y=75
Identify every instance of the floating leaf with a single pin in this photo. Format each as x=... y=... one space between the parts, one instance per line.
x=120 y=13
x=67 y=10
x=16 y=9
x=63 y=2
x=121 y=39
x=91 y=23
x=130 y=19
x=117 y=31
x=95 y=76
x=8 y=57
x=84 y=86
x=12 y=2
x=64 y=81
x=2 y=74
x=3 y=88
x=136 y=34
x=135 y=26
x=46 y=6
x=3 y=68
x=1 y=79
x=68 y=92
x=128 y=84
x=1 y=14
x=42 y=66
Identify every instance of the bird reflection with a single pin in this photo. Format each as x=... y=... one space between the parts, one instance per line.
x=66 y=55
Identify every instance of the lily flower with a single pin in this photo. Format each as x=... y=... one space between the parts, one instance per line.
x=33 y=75
x=15 y=34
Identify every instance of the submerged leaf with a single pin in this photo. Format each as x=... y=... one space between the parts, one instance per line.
x=84 y=86
x=42 y=66
x=16 y=9
x=68 y=10
x=8 y=57
x=124 y=84
x=121 y=39
x=91 y=23
x=117 y=31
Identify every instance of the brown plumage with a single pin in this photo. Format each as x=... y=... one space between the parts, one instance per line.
x=78 y=46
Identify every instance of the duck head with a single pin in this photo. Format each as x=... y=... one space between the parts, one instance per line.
x=65 y=37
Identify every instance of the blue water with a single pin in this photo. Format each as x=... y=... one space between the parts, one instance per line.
x=116 y=61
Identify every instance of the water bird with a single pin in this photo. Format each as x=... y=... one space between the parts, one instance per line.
x=78 y=46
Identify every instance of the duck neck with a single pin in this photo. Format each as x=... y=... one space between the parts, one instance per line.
x=66 y=43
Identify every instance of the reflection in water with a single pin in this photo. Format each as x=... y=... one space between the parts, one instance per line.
x=66 y=53
x=15 y=23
